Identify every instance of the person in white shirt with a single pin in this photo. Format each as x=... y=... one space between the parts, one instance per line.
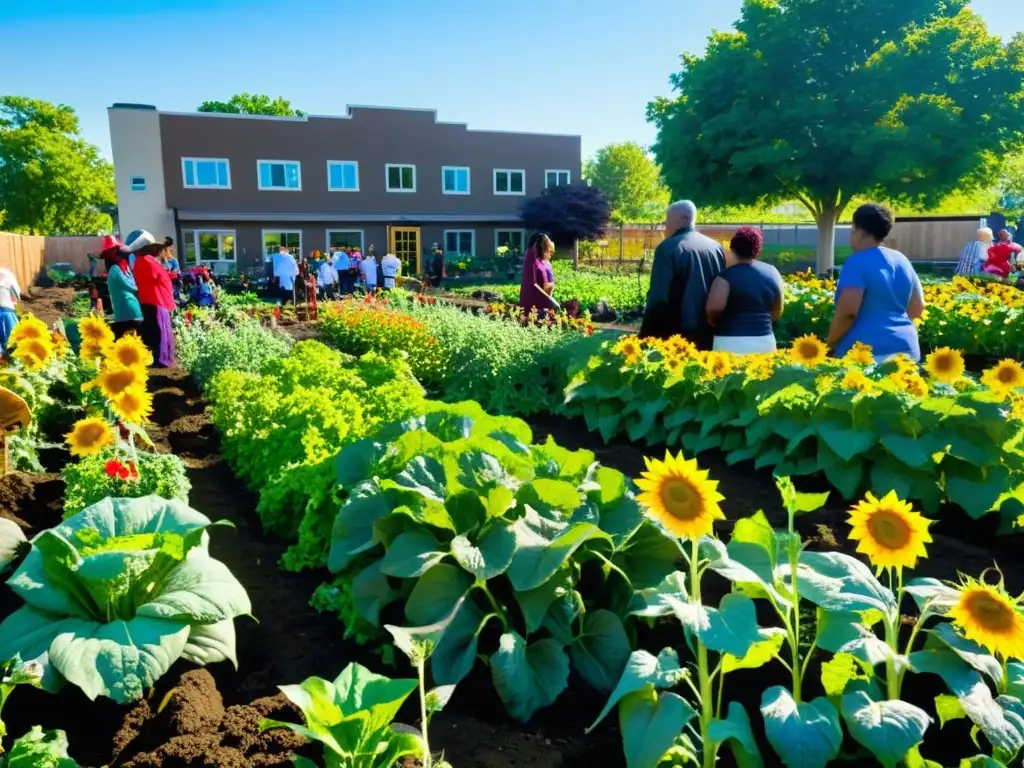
x=326 y=277
x=342 y=264
x=10 y=292
x=391 y=267
x=368 y=269
x=286 y=270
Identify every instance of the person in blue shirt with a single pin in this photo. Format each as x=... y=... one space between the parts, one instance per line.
x=878 y=295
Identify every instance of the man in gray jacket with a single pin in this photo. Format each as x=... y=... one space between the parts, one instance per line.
x=684 y=265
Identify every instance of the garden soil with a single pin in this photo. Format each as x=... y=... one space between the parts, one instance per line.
x=209 y=717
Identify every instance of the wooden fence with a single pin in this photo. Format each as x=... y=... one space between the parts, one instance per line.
x=27 y=255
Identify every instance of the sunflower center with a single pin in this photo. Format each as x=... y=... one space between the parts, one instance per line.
x=992 y=614
x=680 y=499
x=944 y=363
x=808 y=350
x=120 y=381
x=889 y=529
x=90 y=434
x=1007 y=375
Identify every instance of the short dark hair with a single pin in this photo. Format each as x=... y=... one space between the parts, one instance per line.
x=875 y=219
x=168 y=240
x=747 y=242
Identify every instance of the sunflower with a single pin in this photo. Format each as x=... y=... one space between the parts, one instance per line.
x=90 y=350
x=859 y=354
x=89 y=436
x=115 y=379
x=809 y=351
x=680 y=496
x=133 y=405
x=910 y=383
x=673 y=365
x=684 y=348
x=130 y=352
x=33 y=354
x=945 y=365
x=94 y=328
x=1004 y=377
x=857 y=381
x=890 y=532
x=628 y=348
x=990 y=617
x=717 y=364
x=28 y=328
x=904 y=363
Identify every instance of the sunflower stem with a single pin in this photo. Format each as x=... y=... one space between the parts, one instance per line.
x=794 y=626
x=893 y=678
x=707 y=704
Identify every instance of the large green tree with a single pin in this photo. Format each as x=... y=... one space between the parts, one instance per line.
x=52 y=182
x=821 y=101
x=631 y=180
x=252 y=104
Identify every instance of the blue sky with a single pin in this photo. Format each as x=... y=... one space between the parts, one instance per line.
x=584 y=67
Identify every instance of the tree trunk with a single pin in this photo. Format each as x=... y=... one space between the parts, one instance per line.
x=826 y=221
x=576 y=254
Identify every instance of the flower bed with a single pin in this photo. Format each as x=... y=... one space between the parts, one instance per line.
x=884 y=427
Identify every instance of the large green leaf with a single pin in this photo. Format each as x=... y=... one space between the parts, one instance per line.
x=352 y=532
x=425 y=476
x=371 y=593
x=936 y=595
x=535 y=603
x=211 y=643
x=358 y=461
x=360 y=690
x=436 y=593
x=661 y=671
x=551 y=498
x=480 y=471
x=916 y=451
x=543 y=546
x=843 y=439
x=466 y=510
x=846 y=476
x=732 y=627
x=1003 y=727
x=455 y=652
x=122 y=659
x=492 y=552
x=735 y=732
x=648 y=557
x=40 y=749
x=12 y=539
x=804 y=735
x=946 y=636
x=652 y=602
x=888 y=729
x=759 y=654
x=977 y=496
x=650 y=722
x=412 y=554
x=838 y=582
x=528 y=677
x=601 y=652
x=201 y=590
x=28 y=633
x=115 y=517
x=561 y=618
x=841 y=670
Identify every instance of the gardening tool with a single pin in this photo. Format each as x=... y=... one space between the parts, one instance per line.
x=550 y=298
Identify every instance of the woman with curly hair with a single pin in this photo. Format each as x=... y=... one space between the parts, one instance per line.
x=745 y=299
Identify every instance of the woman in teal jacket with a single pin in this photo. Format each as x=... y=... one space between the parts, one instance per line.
x=124 y=294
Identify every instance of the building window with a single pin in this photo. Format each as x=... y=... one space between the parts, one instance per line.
x=342 y=176
x=204 y=246
x=274 y=239
x=556 y=178
x=138 y=183
x=460 y=242
x=454 y=180
x=346 y=239
x=400 y=178
x=514 y=239
x=509 y=182
x=280 y=174
x=206 y=173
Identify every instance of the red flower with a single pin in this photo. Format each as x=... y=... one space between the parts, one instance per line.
x=115 y=468
x=277 y=313
x=133 y=471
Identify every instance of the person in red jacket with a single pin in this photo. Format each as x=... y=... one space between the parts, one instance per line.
x=1002 y=255
x=156 y=295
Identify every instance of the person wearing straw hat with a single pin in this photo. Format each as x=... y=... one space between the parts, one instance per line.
x=156 y=295
x=10 y=293
x=124 y=293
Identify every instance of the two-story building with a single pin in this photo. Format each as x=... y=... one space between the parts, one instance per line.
x=233 y=188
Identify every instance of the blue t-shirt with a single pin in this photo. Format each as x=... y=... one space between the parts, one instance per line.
x=753 y=289
x=888 y=281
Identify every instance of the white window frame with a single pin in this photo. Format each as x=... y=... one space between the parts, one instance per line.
x=387 y=177
x=509 y=171
x=195 y=233
x=472 y=233
x=568 y=177
x=259 y=176
x=465 y=168
x=522 y=232
x=137 y=183
x=197 y=185
x=263 y=240
x=327 y=239
x=332 y=163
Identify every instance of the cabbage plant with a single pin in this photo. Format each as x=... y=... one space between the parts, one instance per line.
x=119 y=592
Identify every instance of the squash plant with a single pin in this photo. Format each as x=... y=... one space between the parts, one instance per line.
x=457 y=517
x=119 y=592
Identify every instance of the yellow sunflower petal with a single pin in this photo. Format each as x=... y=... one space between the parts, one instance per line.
x=89 y=436
x=890 y=533
x=991 y=618
x=680 y=497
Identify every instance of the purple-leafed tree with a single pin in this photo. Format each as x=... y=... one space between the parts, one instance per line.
x=568 y=213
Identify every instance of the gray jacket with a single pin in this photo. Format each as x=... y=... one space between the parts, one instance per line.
x=684 y=266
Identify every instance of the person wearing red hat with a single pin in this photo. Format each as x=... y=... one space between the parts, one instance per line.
x=124 y=292
x=156 y=295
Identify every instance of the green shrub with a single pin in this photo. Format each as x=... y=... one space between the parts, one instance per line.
x=88 y=481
